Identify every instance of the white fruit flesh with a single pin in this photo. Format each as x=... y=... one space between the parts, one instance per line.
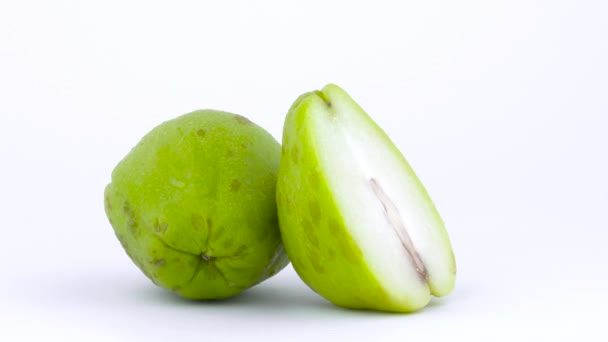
x=384 y=206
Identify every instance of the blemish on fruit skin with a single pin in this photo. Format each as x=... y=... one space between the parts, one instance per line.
x=209 y=223
x=158 y=262
x=332 y=253
x=310 y=233
x=133 y=224
x=335 y=228
x=312 y=238
x=108 y=204
x=132 y=218
x=295 y=154
x=350 y=252
x=314 y=180
x=160 y=227
x=201 y=133
x=315 y=211
x=228 y=243
x=235 y=185
x=312 y=252
x=241 y=250
x=198 y=222
x=317 y=266
x=229 y=153
x=126 y=207
x=242 y=120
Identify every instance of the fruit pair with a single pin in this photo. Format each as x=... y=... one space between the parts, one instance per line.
x=195 y=206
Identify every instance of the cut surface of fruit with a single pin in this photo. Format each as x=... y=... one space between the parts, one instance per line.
x=383 y=208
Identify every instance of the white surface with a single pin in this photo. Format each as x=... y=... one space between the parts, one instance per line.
x=501 y=108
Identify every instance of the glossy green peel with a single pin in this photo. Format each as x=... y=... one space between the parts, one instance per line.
x=193 y=205
x=357 y=224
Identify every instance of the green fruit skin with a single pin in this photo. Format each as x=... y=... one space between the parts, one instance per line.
x=315 y=238
x=193 y=205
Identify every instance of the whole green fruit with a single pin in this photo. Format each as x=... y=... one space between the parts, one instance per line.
x=193 y=205
x=357 y=224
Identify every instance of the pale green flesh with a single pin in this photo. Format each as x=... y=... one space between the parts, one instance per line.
x=193 y=205
x=384 y=209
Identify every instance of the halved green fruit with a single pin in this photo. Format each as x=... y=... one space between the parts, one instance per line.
x=193 y=205
x=357 y=224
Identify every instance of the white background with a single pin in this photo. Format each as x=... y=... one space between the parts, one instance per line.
x=501 y=108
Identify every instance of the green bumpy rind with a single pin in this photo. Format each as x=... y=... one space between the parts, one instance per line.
x=193 y=205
